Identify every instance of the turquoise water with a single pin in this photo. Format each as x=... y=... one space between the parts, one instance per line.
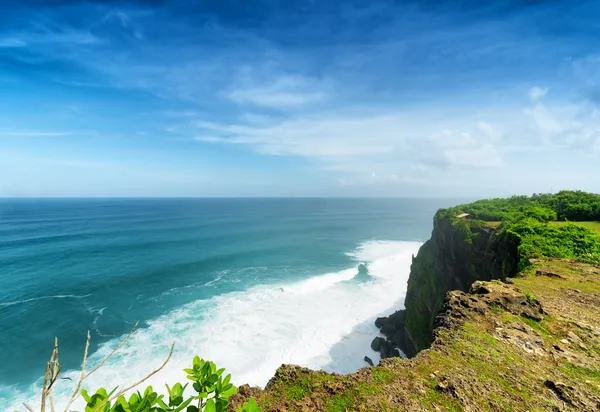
x=249 y=283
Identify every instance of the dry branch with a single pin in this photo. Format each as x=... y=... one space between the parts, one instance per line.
x=83 y=375
x=121 y=392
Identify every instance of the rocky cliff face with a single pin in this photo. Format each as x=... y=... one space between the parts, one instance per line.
x=459 y=253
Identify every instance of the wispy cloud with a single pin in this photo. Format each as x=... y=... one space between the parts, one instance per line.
x=569 y=126
x=280 y=92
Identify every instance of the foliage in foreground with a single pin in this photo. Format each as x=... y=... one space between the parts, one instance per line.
x=213 y=390
x=212 y=394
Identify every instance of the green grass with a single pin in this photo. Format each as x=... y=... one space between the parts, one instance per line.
x=381 y=375
x=343 y=402
x=595 y=226
x=580 y=373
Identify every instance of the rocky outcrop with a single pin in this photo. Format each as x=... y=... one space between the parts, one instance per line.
x=458 y=253
x=525 y=343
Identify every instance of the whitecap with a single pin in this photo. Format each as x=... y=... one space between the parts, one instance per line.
x=324 y=322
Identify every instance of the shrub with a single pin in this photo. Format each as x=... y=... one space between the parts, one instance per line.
x=212 y=389
x=212 y=394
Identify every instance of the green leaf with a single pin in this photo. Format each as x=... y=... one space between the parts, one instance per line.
x=210 y=406
x=183 y=406
x=162 y=404
x=85 y=395
x=220 y=371
x=226 y=380
x=228 y=392
x=192 y=408
x=176 y=401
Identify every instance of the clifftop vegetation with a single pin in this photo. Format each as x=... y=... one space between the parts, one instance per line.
x=542 y=225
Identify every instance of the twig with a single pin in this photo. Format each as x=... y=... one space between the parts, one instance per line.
x=121 y=392
x=55 y=371
x=76 y=391
x=29 y=408
x=84 y=375
x=113 y=352
x=46 y=375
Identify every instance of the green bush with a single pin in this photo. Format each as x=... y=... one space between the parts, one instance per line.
x=212 y=395
x=526 y=221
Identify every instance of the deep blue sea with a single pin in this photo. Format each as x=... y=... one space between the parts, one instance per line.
x=247 y=283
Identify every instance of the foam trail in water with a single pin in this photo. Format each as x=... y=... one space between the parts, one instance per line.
x=17 y=302
x=322 y=322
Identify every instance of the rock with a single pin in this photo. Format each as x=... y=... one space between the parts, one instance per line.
x=376 y=343
x=368 y=360
x=385 y=348
x=479 y=288
x=547 y=273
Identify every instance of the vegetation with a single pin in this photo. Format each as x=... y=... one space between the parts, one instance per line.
x=212 y=394
x=212 y=389
x=562 y=225
x=569 y=205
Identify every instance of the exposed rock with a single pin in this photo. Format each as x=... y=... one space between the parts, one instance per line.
x=548 y=273
x=368 y=360
x=376 y=343
x=243 y=393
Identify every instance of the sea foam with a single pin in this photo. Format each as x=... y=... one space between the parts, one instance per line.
x=324 y=322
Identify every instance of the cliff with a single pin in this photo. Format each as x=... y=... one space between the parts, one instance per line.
x=530 y=344
x=498 y=317
x=458 y=253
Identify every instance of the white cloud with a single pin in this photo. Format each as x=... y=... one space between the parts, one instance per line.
x=283 y=92
x=316 y=137
x=569 y=127
x=452 y=149
x=369 y=149
x=536 y=93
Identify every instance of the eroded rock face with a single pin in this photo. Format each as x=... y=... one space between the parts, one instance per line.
x=484 y=296
x=448 y=261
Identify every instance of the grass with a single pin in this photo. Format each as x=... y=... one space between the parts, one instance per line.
x=381 y=375
x=595 y=226
x=580 y=373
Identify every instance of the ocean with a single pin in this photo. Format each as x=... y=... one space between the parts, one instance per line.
x=247 y=283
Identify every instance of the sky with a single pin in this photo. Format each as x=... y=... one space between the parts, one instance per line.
x=425 y=98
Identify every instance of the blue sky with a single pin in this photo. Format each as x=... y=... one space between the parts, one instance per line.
x=298 y=97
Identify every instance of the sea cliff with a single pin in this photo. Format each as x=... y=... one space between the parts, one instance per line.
x=457 y=254
x=501 y=313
